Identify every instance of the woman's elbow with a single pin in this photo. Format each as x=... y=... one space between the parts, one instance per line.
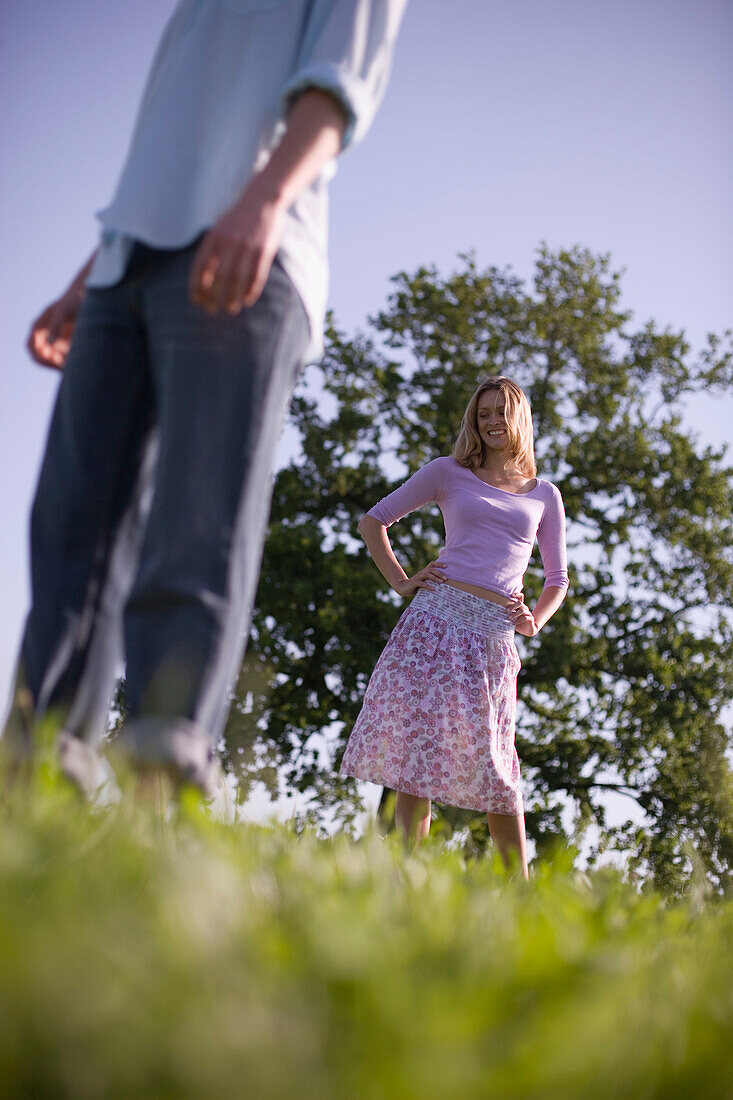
x=556 y=589
x=368 y=524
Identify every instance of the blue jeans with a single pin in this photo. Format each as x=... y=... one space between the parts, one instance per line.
x=150 y=514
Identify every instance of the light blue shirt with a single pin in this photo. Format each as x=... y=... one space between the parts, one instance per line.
x=213 y=109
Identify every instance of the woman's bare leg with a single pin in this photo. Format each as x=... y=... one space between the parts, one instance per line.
x=412 y=815
x=508 y=834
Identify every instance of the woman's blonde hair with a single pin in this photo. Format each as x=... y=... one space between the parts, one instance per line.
x=468 y=449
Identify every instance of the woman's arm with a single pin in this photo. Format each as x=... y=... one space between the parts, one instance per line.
x=550 y=600
x=377 y=542
x=529 y=622
x=552 y=545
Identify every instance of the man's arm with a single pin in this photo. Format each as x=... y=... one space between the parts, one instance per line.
x=233 y=261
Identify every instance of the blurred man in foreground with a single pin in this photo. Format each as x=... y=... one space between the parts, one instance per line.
x=180 y=342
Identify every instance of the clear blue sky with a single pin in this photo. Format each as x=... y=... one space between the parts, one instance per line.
x=601 y=122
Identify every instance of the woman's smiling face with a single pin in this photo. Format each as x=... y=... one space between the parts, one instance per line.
x=491 y=422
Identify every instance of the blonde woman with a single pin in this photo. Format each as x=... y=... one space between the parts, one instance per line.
x=438 y=716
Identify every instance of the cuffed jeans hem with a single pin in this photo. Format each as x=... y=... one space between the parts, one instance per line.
x=179 y=745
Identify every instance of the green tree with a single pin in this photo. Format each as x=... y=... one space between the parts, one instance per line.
x=624 y=690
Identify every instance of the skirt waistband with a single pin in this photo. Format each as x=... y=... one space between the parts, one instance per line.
x=466 y=610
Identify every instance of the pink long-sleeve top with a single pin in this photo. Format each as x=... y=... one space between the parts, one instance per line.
x=489 y=532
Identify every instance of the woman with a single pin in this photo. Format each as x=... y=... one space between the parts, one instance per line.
x=438 y=714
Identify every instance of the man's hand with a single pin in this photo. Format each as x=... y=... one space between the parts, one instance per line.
x=231 y=265
x=50 y=336
x=233 y=261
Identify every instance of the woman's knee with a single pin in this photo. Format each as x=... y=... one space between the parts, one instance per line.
x=413 y=804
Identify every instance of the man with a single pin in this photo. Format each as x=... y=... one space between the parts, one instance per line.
x=180 y=341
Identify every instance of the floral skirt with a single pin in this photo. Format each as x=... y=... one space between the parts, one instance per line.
x=438 y=714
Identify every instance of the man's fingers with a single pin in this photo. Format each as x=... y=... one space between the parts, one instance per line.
x=222 y=288
x=203 y=270
x=49 y=339
x=45 y=354
x=62 y=347
x=207 y=281
x=261 y=271
x=240 y=283
x=40 y=347
x=36 y=341
x=221 y=275
x=57 y=318
x=39 y=331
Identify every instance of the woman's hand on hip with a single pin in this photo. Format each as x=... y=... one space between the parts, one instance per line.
x=522 y=618
x=429 y=577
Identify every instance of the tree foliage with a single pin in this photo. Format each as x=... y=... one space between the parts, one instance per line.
x=624 y=690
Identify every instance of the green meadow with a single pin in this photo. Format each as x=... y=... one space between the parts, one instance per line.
x=152 y=955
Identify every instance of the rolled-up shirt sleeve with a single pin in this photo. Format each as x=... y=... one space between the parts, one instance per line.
x=552 y=542
x=347 y=51
x=424 y=487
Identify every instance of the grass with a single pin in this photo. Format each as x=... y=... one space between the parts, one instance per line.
x=142 y=957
